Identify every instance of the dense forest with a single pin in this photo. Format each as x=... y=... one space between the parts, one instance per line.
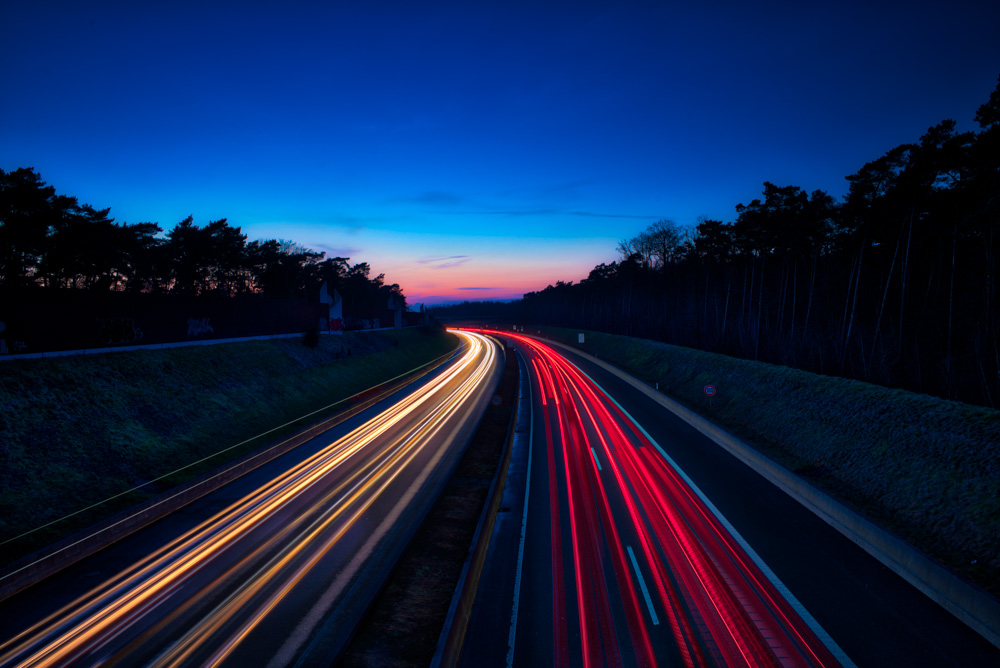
x=51 y=241
x=895 y=285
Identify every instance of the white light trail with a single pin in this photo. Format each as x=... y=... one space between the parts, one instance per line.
x=341 y=481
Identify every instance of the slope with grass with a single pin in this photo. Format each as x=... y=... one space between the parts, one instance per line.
x=77 y=430
x=922 y=467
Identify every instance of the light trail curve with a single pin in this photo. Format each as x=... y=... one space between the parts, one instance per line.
x=224 y=590
x=620 y=515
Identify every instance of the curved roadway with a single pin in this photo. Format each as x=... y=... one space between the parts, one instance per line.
x=276 y=573
x=650 y=545
x=640 y=569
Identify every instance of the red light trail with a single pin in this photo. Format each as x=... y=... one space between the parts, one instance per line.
x=622 y=515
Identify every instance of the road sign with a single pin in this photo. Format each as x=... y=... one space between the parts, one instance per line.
x=710 y=390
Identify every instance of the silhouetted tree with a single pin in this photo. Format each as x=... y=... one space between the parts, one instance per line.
x=896 y=284
x=27 y=213
x=50 y=240
x=144 y=262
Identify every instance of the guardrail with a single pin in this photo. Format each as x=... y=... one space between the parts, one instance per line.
x=181 y=344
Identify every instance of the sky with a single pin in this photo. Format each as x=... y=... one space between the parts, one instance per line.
x=473 y=150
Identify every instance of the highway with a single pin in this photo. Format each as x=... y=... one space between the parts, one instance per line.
x=629 y=539
x=271 y=575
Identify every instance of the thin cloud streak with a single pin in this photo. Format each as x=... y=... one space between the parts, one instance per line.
x=332 y=251
x=439 y=259
x=501 y=212
x=591 y=214
x=446 y=262
x=545 y=212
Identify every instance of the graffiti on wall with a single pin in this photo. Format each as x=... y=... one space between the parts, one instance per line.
x=116 y=331
x=199 y=326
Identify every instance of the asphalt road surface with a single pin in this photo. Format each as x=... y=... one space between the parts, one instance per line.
x=274 y=569
x=650 y=545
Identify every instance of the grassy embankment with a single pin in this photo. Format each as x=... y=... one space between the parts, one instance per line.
x=922 y=467
x=77 y=430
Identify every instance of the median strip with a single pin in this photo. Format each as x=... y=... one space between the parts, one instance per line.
x=420 y=606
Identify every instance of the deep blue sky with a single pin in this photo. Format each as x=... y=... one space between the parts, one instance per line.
x=469 y=148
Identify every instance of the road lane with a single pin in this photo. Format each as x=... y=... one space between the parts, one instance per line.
x=624 y=563
x=261 y=578
x=876 y=617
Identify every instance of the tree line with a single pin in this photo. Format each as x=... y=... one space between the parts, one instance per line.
x=49 y=240
x=895 y=284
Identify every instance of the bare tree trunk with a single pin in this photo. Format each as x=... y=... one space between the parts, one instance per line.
x=707 y=284
x=812 y=287
x=781 y=299
x=951 y=302
x=885 y=293
x=725 y=314
x=748 y=324
x=760 y=307
x=927 y=295
x=795 y=293
x=847 y=298
x=988 y=287
x=854 y=302
x=904 y=274
x=743 y=300
x=996 y=358
x=989 y=328
x=951 y=288
x=982 y=374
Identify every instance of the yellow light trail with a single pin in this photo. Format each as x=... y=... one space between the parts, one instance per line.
x=346 y=478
